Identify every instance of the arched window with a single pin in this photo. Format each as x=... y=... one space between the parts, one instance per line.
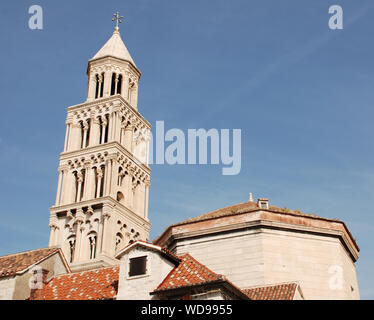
x=119 y=241
x=121 y=175
x=120 y=197
x=113 y=84
x=119 y=84
x=102 y=85
x=71 y=242
x=106 y=132
x=92 y=239
x=97 y=86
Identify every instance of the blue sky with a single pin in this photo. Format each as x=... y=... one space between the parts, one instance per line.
x=301 y=93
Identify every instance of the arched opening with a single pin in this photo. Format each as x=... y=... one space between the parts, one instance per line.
x=102 y=85
x=75 y=188
x=97 y=86
x=71 y=244
x=81 y=128
x=121 y=174
x=88 y=129
x=83 y=184
x=119 y=84
x=92 y=240
x=113 y=84
x=120 y=197
x=105 y=128
x=119 y=241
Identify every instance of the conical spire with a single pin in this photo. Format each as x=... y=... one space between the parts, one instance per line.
x=114 y=47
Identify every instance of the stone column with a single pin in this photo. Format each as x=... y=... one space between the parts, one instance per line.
x=122 y=138
x=114 y=179
x=94 y=132
x=133 y=203
x=111 y=127
x=125 y=86
x=78 y=241
x=107 y=179
x=128 y=136
x=91 y=88
x=134 y=96
x=89 y=184
x=107 y=83
x=80 y=181
x=99 y=236
x=103 y=129
x=116 y=83
x=67 y=133
x=129 y=191
x=99 y=181
x=146 y=197
x=127 y=187
x=71 y=187
x=85 y=130
x=53 y=234
x=65 y=183
x=59 y=186
x=117 y=128
x=100 y=80
x=105 y=244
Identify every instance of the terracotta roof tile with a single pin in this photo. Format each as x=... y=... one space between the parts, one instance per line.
x=188 y=273
x=248 y=207
x=15 y=263
x=244 y=208
x=284 y=291
x=97 y=284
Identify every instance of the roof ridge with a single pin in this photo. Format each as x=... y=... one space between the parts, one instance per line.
x=83 y=271
x=27 y=251
x=272 y=285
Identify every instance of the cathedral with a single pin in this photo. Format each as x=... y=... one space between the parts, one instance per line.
x=99 y=246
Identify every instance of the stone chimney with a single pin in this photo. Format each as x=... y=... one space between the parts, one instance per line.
x=250 y=197
x=263 y=203
x=37 y=282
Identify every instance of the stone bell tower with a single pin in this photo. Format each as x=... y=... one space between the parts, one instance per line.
x=102 y=192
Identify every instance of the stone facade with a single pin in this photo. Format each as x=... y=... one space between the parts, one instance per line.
x=102 y=194
x=15 y=283
x=158 y=267
x=257 y=247
x=100 y=224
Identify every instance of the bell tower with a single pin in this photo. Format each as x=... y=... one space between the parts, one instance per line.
x=102 y=192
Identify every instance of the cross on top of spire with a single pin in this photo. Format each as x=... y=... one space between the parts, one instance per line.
x=118 y=20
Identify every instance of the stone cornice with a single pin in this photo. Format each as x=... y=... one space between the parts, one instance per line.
x=257 y=224
x=110 y=59
x=104 y=201
x=105 y=147
x=298 y=223
x=115 y=99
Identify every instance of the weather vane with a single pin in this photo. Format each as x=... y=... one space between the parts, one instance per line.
x=118 y=19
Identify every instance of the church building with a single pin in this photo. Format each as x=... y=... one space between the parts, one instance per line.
x=99 y=246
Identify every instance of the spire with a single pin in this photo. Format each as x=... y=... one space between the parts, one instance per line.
x=114 y=47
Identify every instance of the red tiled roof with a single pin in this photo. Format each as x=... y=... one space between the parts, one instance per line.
x=248 y=207
x=16 y=263
x=284 y=291
x=188 y=273
x=97 y=284
x=151 y=246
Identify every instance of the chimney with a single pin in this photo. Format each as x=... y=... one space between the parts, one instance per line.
x=263 y=203
x=250 y=197
x=36 y=285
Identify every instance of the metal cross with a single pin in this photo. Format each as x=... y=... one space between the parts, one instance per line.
x=117 y=18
